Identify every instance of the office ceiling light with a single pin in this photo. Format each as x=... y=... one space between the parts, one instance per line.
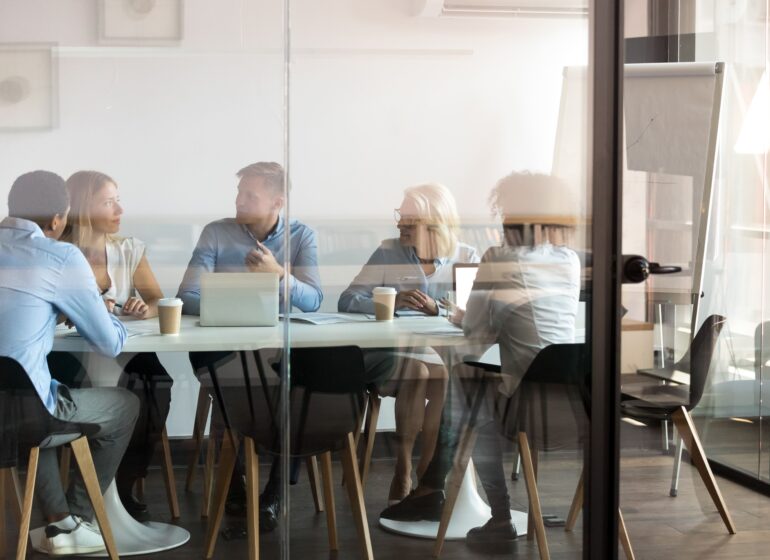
x=501 y=8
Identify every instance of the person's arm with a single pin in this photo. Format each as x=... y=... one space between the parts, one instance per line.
x=357 y=298
x=204 y=259
x=148 y=288
x=77 y=297
x=304 y=278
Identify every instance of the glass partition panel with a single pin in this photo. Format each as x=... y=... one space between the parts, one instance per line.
x=425 y=138
x=700 y=364
x=166 y=118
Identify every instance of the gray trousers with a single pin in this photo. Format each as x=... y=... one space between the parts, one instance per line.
x=115 y=411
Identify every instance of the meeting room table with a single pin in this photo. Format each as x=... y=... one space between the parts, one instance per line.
x=132 y=537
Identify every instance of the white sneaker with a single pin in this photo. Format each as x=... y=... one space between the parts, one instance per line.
x=83 y=539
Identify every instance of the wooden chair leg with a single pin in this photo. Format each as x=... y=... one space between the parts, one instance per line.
x=140 y=482
x=625 y=542
x=577 y=505
x=17 y=493
x=26 y=508
x=3 y=545
x=530 y=519
x=534 y=498
x=356 y=497
x=463 y=454
x=85 y=462
x=208 y=476
x=328 y=491
x=64 y=467
x=168 y=476
x=224 y=475
x=311 y=464
x=252 y=497
x=370 y=431
x=689 y=435
x=199 y=428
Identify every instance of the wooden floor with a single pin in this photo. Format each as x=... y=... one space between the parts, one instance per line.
x=685 y=527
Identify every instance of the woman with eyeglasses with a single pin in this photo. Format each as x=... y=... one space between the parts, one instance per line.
x=419 y=266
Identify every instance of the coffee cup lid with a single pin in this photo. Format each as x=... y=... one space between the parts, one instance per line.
x=384 y=290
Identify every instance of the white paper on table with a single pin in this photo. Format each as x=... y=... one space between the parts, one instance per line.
x=329 y=318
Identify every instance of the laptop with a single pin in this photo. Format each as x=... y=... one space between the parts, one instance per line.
x=463 y=275
x=239 y=299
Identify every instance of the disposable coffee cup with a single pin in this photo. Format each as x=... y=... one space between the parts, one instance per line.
x=384 y=303
x=169 y=315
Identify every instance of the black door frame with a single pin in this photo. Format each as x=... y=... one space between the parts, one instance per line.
x=602 y=489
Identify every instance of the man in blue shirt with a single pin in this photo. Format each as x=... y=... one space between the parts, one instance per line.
x=254 y=241
x=41 y=278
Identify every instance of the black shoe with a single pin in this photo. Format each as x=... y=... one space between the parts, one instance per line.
x=416 y=508
x=236 y=504
x=269 y=511
x=134 y=507
x=492 y=533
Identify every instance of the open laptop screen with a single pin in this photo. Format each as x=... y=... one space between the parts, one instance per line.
x=463 y=275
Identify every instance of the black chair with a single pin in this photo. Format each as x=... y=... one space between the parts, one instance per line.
x=26 y=423
x=205 y=365
x=674 y=402
x=326 y=406
x=558 y=370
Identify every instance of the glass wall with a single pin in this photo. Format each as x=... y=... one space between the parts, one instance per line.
x=406 y=183
x=704 y=350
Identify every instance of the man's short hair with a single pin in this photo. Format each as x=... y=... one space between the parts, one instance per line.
x=38 y=196
x=270 y=171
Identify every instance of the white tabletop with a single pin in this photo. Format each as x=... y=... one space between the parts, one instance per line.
x=144 y=336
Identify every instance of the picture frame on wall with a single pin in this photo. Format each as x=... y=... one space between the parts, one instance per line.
x=141 y=22
x=28 y=87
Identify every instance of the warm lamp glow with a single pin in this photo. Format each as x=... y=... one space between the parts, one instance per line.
x=755 y=132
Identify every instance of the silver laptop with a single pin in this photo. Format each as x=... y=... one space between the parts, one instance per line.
x=463 y=275
x=239 y=299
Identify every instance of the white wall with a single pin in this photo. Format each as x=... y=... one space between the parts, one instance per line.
x=379 y=100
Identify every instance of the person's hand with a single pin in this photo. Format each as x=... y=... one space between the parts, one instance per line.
x=135 y=307
x=417 y=300
x=261 y=259
x=110 y=305
x=457 y=316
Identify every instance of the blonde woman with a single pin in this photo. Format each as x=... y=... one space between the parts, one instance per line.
x=124 y=276
x=419 y=266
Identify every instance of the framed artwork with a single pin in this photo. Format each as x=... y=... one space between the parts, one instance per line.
x=141 y=22
x=28 y=87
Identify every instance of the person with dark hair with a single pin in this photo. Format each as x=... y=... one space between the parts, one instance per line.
x=41 y=279
x=253 y=241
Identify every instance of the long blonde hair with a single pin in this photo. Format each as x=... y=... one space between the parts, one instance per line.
x=437 y=207
x=82 y=187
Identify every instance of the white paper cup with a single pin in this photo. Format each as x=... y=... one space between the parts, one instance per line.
x=384 y=303
x=169 y=315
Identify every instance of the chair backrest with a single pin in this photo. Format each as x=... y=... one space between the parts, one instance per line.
x=24 y=419
x=698 y=358
x=327 y=399
x=553 y=399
